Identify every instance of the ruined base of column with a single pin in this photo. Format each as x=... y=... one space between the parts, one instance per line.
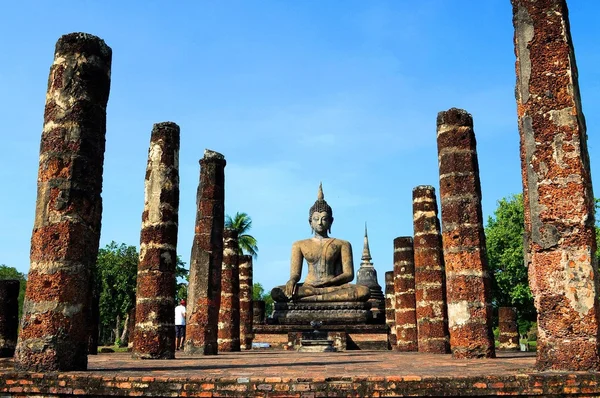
x=329 y=313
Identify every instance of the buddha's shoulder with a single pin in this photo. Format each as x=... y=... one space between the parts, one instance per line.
x=312 y=242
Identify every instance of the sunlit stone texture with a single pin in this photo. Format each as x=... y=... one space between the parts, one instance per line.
x=509 y=332
x=468 y=284
x=557 y=188
x=229 y=312
x=390 y=303
x=56 y=321
x=246 y=317
x=430 y=277
x=9 y=316
x=404 y=288
x=204 y=289
x=154 y=333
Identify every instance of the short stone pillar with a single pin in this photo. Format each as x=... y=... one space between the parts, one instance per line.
x=204 y=289
x=430 y=277
x=509 y=332
x=258 y=312
x=56 y=321
x=404 y=288
x=9 y=316
x=390 y=313
x=229 y=313
x=246 y=335
x=468 y=283
x=557 y=189
x=154 y=331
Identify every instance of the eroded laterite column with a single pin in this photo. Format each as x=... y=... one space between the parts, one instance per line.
x=404 y=288
x=154 y=332
x=430 y=278
x=507 y=325
x=204 y=289
x=66 y=231
x=246 y=335
x=467 y=276
x=9 y=316
x=557 y=188
x=390 y=313
x=229 y=313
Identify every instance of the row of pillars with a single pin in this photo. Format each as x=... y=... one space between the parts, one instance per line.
x=559 y=213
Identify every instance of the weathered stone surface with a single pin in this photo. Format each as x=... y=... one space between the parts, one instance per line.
x=367 y=276
x=430 y=278
x=404 y=292
x=329 y=313
x=246 y=317
x=557 y=188
x=56 y=321
x=154 y=332
x=258 y=312
x=9 y=316
x=229 y=312
x=204 y=291
x=467 y=276
x=509 y=332
x=390 y=312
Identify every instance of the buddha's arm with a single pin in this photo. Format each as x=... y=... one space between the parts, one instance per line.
x=295 y=269
x=347 y=265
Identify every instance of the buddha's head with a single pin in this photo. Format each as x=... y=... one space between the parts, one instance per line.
x=320 y=215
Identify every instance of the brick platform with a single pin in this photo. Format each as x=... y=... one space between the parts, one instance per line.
x=284 y=373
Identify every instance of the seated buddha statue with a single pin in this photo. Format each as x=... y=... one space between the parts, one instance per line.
x=330 y=264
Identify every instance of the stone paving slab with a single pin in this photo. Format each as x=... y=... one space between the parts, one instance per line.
x=284 y=373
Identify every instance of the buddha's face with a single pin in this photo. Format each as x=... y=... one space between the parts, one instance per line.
x=321 y=222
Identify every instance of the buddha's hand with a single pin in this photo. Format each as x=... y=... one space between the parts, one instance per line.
x=324 y=282
x=290 y=288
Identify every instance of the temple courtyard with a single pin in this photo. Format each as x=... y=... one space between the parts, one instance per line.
x=278 y=373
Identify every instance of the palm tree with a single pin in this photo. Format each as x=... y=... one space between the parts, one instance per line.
x=242 y=223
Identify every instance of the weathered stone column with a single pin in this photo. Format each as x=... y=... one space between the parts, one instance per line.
x=390 y=313
x=509 y=333
x=9 y=316
x=204 y=289
x=404 y=288
x=557 y=188
x=246 y=335
x=229 y=313
x=258 y=312
x=467 y=276
x=64 y=245
x=154 y=332
x=430 y=278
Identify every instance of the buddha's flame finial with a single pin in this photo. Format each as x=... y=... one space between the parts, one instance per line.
x=320 y=195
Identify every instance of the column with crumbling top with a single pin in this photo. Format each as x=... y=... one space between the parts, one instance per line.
x=390 y=302
x=9 y=316
x=229 y=312
x=430 y=278
x=64 y=245
x=468 y=289
x=246 y=335
x=404 y=288
x=507 y=325
x=557 y=188
x=204 y=289
x=154 y=333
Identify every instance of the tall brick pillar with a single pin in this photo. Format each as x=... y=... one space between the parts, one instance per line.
x=430 y=277
x=56 y=321
x=9 y=316
x=390 y=303
x=557 y=188
x=204 y=289
x=509 y=332
x=246 y=335
x=404 y=288
x=467 y=275
x=229 y=313
x=154 y=332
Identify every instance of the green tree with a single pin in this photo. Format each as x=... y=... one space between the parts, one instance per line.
x=7 y=272
x=183 y=278
x=504 y=237
x=258 y=293
x=242 y=223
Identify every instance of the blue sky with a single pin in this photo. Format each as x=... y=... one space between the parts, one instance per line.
x=292 y=93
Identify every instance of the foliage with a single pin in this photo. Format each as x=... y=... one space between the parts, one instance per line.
x=242 y=223
x=504 y=238
x=183 y=277
x=7 y=272
x=258 y=293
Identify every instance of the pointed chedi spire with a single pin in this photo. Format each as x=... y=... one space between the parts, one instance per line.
x=367 y=275
x=366 y=254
